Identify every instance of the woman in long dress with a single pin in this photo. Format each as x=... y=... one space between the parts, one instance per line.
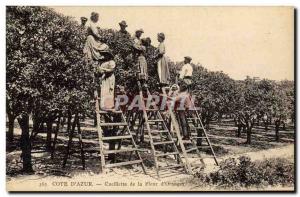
x=162 y=64
x=93 y=45
x=107 y=83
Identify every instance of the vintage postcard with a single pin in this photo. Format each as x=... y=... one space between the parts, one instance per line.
x=150 y=99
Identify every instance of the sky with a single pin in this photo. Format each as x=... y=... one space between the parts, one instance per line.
x=240 y=41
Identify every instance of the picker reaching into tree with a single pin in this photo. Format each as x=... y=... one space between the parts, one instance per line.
x=162 y=64
x=141 y=63
x=137 y=37
x=123 y=32
x=93 y=45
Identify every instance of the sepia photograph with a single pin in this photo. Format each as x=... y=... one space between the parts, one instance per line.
x=150 y=98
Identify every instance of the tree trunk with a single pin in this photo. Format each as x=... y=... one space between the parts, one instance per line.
x=277 y=125
x=235 y=122
x=10 y=134
x=69 y=122
x=49 y=136
x=266 y=125
x=249 y=129
x=220 y=118
x=207 y=123
x=277 y=133
x=239 y=130
x=25 y=143
x=284 y=126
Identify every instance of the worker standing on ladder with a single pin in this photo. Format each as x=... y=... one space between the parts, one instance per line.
x=141 y=64
x=107 y=82
x=185 y=75
x=185 y=81
x=162 y=62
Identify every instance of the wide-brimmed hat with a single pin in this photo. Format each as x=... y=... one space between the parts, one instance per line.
x=84 y=19
x=188 y=58
x=161 y=35
x=123 y=23
x=94 y=14
x=139 y=30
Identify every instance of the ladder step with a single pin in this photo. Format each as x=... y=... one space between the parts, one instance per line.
x=165 y=142
x=106 y=112
x=117 y=137
x=165 y=154
x=123 y=163
x=120 y=150
x=173 y=166
x=159 y=131
x=152 y=109
x=192 y=149
x=156 y=120
x=107 y=124
x=186 y=141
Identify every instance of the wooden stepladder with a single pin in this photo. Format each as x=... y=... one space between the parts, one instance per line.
x=124 y=136
x=161 y=142
x=191 y=145
x=199 y=133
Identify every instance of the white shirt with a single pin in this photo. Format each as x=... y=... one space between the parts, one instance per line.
x=186 y=71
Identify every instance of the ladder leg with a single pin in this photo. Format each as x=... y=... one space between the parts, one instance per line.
x=81 y=144
x=206 y=137
x=67 y=154
x=99 y=130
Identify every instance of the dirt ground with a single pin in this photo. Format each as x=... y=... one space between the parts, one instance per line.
x=50 y=176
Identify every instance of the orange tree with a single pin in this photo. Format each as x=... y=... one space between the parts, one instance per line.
x=47 y=75
x=46 y=72
x=215 y=93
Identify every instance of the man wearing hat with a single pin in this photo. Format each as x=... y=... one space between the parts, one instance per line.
x=137 y=37
x=186 y=71
x=123 y=32
x=83 y=21
x=185 y=77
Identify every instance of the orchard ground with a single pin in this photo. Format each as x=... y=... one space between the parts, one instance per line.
x=223 y=137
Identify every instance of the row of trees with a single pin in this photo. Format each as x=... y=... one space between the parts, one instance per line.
x=48 y=79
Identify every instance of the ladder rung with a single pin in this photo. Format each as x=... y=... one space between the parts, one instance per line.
x=106 y=112
x=107 y=124
x=117 y=137
x=120 y=150
x=159 y=131
x=165 y=142
x=152 y=109
x=186 y=141
x=192 y=149
x=156 y=120
x=173 y=166
x=123 y=163
x=165 y=154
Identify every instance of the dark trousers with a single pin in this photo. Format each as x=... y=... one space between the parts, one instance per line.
x=183 y=124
